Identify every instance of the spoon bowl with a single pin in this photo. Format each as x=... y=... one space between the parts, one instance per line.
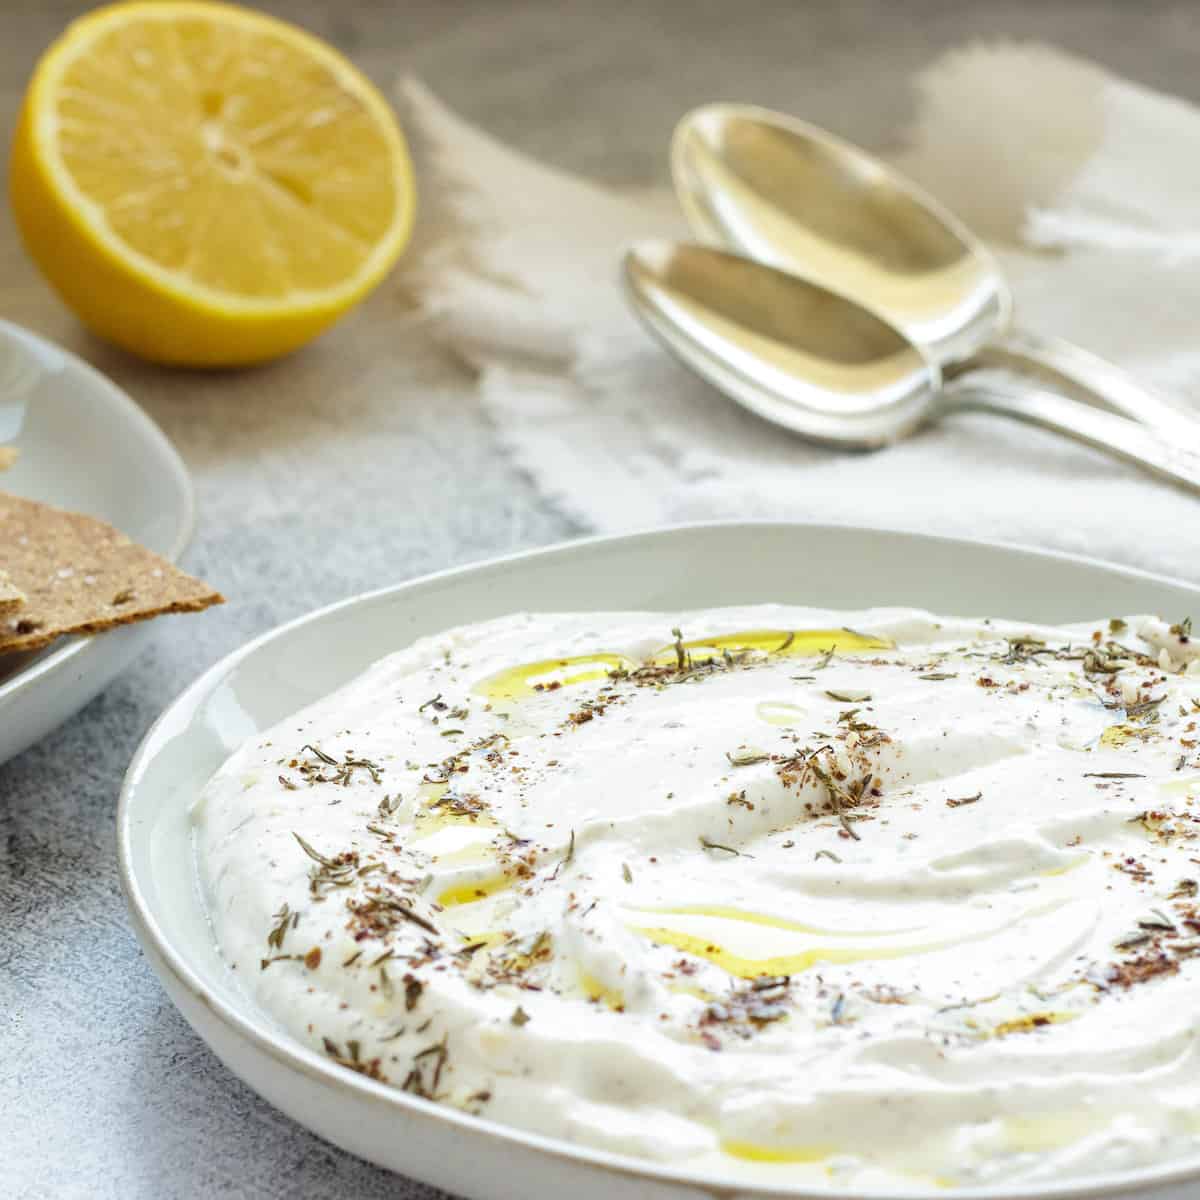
x=792 y=196
x=821 y=365
x=795 y=353
x=788 y=194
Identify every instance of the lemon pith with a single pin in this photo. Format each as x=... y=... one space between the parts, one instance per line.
x=205 y=185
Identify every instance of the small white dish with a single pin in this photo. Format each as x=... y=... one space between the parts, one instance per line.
x=687 y=567
x=84 y=445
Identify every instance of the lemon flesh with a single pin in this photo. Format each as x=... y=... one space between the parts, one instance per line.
x=205 y=185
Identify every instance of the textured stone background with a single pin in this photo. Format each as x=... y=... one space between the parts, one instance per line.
x=361 y=462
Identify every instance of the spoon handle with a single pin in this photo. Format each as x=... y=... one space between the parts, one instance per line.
x=1151 y=449
x=1090 y=378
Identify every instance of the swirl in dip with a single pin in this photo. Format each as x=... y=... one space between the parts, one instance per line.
x=854 y=899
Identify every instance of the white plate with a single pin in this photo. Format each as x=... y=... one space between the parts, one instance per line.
x=690 y=567
x=86 y=446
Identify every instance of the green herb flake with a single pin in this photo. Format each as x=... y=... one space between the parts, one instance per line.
x=958 y=802
x=746 y=757
x=708 y=845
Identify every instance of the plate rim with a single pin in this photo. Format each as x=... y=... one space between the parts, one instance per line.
x=293 y=1055
x=132 y=413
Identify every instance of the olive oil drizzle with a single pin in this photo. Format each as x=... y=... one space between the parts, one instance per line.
x=680 y=658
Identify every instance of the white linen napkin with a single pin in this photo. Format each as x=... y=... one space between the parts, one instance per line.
x=1086 y=186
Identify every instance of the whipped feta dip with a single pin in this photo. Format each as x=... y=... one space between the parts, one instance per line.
x=875 y=899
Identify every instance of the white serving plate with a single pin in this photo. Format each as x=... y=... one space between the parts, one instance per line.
x=86 y=446
x=687 y=567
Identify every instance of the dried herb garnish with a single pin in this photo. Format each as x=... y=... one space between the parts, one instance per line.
x=934 y=675
x=1112 y=775
x=1145 y=711
x=1157 y=920
x=382 y=911
x=717 y=846
x=626 y=873
x=461 y=806
x=1100 y=662
x=566 y=859
x=746 y=1009
x=520 y=1017
x=413 y=988
x=1023 y=649
x=425 y=1077
x=958 y=803
x=826 y=854
x=284 y=920
x=745 y=758
x=856 y=697
x=317 y=752
x=681 y=660
x=343 y=772
x=351 y=1060
x=1132 y=941
x=836 y=795
x=330 y=872
x=1138 y=970
x=313 y=854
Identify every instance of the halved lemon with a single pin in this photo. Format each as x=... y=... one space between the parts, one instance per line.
x=205 y=185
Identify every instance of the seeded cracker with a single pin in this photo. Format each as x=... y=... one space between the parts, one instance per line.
x=79 y=575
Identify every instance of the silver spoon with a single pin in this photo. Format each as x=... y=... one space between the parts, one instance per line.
x=823 y=366
x=791 y=195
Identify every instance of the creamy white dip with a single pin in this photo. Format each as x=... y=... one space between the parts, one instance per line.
x=857 y=899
